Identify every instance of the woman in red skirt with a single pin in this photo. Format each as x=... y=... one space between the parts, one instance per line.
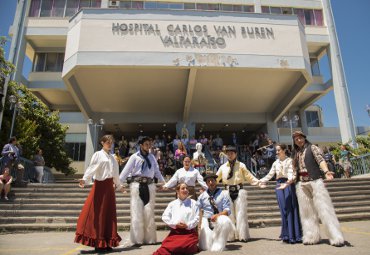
x=182 y=216
x=97 y=224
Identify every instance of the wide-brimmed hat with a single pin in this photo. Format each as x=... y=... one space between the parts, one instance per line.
x=298 y=133
x=210 y=175
x=231 y=148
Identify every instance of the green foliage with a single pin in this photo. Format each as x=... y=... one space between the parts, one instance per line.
x=36 y=126
x=6 y=68
x=363 y=147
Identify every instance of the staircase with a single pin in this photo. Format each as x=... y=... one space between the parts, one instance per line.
x=55 y=207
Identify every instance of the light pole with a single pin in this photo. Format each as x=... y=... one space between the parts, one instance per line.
x=95 y=126
x=16 y=106
x=290 y=120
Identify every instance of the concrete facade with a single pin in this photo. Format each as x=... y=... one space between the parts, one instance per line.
x=153 y=66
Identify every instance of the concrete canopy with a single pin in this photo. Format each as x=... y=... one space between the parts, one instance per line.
x=138 y=78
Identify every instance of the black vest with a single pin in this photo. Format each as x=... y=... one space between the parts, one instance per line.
x=312 y=167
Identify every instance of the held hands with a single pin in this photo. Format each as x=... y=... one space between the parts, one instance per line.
x=283 y=186
x=81 y=183
x=262 y=185
x=123 y=190
x=329 y=175
x=214 y=217
x=181 y=225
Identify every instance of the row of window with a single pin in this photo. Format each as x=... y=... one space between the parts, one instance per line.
x=128 y=4
x=59 y=8
x=76 y=151
x=67 y=8
x=48 y=62
x=312 y=17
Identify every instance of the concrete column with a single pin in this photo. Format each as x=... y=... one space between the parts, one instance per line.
x=341 y=95
x=104 y=3
x=272 y=129
x=257 y=6
x=302 y=118
x=89 y=143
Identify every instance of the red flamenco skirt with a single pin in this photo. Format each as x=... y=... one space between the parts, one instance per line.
x=97 y=224
x=179 y=241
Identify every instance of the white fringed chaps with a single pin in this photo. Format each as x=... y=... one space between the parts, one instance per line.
x=239 y=216
x=314 y=204
x=215 y=240
x=143 y=228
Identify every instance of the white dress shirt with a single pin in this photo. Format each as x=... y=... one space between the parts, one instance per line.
x=189 y=177
x=102 y=166
x=185 y=211
x=134 y=167
x=282 y=169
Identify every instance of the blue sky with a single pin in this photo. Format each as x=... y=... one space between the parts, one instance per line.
x=352 y=23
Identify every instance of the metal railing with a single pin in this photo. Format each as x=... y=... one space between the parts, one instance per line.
x=361 y=164
x=30 y=172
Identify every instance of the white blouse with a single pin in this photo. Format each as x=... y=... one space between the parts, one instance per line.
x=188 y=177
x=102 y=166
x=185 y=211
x=282 y=169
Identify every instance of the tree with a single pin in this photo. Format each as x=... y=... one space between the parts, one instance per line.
x=36 y=126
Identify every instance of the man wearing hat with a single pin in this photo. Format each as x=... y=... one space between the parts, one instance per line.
x=216 y=226
x=233 y=174
x=143 y=167
x=313 y=198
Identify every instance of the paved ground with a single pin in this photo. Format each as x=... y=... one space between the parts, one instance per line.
x=264 y=241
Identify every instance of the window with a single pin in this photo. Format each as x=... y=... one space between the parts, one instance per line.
x=46 y=6
x=227 y=7
x=286 y=10
x=71 y=8
x=275 y=10
x=126 y=4
x=35 y=8
x=48 y=62
x=76 y=151
x=310 y=19
x=39 y=63
x=300 y=15
x=137 y=5
x=248 y=8
x=265 y=9
x=58 y=8
x=150 y=5
x=189 y=6
x=318 y=17
x=175 y=6
x=312 y=118
x=161 y=5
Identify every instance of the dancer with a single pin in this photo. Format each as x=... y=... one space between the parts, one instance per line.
x=233 y=174
x=97 y=223
x=313 y=198
x=216 y=226
x=182 y=216
x=286 y=197
x=187 y=175
x=143 y=167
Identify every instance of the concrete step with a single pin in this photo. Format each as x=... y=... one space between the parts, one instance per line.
x=58 y=226
x=59 y=192
x=80 y=198
x=124 y=210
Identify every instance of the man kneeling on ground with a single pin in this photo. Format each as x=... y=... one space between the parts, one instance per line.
x=216 y=226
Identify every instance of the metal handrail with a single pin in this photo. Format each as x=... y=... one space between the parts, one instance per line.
x=360 y=164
